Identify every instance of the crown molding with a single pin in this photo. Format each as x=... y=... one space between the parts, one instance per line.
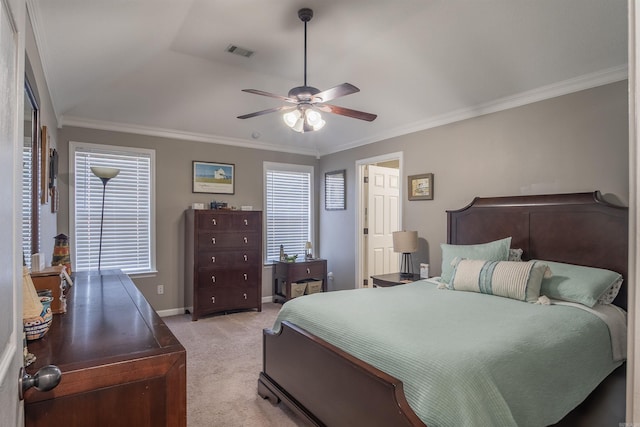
x=587 y=81
x=565 y=87
x=175 y=134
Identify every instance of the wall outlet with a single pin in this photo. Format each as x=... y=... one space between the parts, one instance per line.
x=160 y=289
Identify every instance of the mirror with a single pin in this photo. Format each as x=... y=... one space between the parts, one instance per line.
x=334 y=190
x=30 y=202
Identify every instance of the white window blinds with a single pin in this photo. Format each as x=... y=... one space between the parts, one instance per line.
x=288 y=219
x=128 y=234
x=27 y=188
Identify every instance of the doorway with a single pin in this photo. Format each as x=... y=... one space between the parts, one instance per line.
x=379 y=213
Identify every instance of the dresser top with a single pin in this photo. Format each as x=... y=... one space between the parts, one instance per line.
x=107 y=320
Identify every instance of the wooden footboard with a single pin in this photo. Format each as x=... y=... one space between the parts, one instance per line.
x=327 y=386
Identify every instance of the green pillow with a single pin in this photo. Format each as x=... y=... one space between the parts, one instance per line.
x=497 y=250
x=576 y=283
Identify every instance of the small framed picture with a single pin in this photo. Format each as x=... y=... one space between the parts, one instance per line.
x=335 y=191
x=214 y=178
x=421 y=187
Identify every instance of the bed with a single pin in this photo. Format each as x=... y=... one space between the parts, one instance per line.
x=327 y=385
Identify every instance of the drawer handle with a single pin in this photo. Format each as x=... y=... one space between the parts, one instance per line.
x=213 y=279
x=245 y=276
x=308 y=270
x=213 y=221
x=246 y=258
x=245 y=240
x=213 y=240
x=246 y=222
x=213 y=259
x=213 y=300
x=245 y=296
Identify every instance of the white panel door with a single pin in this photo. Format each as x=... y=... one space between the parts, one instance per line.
x=11 y=43
x=383 y=219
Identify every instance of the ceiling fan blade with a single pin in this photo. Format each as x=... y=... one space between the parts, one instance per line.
x=267 y=111
x=335 y=92
x=347 y=112
x=271 y=95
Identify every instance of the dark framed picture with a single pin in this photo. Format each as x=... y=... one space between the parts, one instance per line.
x=334 y=190
x=421 y=187
x=214 y=178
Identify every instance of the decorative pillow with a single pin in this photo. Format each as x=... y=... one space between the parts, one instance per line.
x=584 y=285
x=611 y=293
x=510 y=279
x=497 y=250
x=515 y=255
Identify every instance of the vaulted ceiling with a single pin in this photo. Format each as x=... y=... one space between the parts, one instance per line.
x=160 y=67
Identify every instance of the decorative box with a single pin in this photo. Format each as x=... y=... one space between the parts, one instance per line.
x=53 y=278
x=314 y=286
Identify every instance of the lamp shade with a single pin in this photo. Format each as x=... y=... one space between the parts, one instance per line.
x=104 y=173
x=405 y=241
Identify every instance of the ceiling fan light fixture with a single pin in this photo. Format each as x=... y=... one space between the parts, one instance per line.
x=307 y=120
x=314 y=119
x=292 y=117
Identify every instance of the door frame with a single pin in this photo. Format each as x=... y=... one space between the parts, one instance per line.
x=13 y=13
x=361 y=207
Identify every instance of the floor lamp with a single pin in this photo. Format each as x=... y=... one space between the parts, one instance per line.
x=405 y=242
x=105 y=174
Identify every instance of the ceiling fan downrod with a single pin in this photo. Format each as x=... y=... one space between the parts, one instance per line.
x=305 y=15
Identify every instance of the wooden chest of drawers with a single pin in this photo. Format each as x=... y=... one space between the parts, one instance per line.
x=223 y=265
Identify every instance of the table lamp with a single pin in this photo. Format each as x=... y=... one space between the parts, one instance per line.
x=405 y=242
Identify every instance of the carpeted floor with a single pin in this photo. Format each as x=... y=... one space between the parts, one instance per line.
x=224 y=358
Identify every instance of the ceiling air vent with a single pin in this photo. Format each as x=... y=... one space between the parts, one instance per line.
x=237 y=50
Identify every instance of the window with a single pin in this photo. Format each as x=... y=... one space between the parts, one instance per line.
x=289 y=208
x=128 y=241
x=30 y=177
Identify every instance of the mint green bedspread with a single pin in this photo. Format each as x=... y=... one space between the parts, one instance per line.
x=466 y=359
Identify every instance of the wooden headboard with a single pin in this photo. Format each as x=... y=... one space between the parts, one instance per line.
x=578 y=228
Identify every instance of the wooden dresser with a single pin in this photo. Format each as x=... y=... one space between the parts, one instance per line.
x=120 y=363
x=223 y=265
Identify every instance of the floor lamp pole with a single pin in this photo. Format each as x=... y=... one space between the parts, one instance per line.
x=105 y=174
x=104 y=192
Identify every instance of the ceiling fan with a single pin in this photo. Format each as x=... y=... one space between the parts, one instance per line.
x=307 y=101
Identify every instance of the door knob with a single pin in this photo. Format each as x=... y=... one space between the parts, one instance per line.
x=47 y=378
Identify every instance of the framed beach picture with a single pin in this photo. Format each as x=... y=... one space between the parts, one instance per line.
x=215 y=178
x=421 y=187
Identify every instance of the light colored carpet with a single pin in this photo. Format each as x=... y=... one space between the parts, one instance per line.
x=224 y=358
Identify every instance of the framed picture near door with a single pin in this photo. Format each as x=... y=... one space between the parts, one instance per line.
x=421 y=187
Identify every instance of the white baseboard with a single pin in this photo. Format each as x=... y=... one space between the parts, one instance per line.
x=177 y=311
x=170 y=312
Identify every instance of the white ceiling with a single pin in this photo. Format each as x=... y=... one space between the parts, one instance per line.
x=159 y=67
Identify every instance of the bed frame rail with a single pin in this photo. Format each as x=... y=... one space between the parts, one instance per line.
x=340 y=388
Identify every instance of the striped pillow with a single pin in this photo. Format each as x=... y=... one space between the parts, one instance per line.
x=510 y=279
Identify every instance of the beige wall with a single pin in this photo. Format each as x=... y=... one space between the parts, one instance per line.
x=573 y=143
x=577 y=142
x=173 y=195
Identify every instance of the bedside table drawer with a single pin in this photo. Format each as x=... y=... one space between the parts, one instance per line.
x=300 y=271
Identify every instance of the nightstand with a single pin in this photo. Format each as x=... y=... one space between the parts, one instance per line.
x=392 y=279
